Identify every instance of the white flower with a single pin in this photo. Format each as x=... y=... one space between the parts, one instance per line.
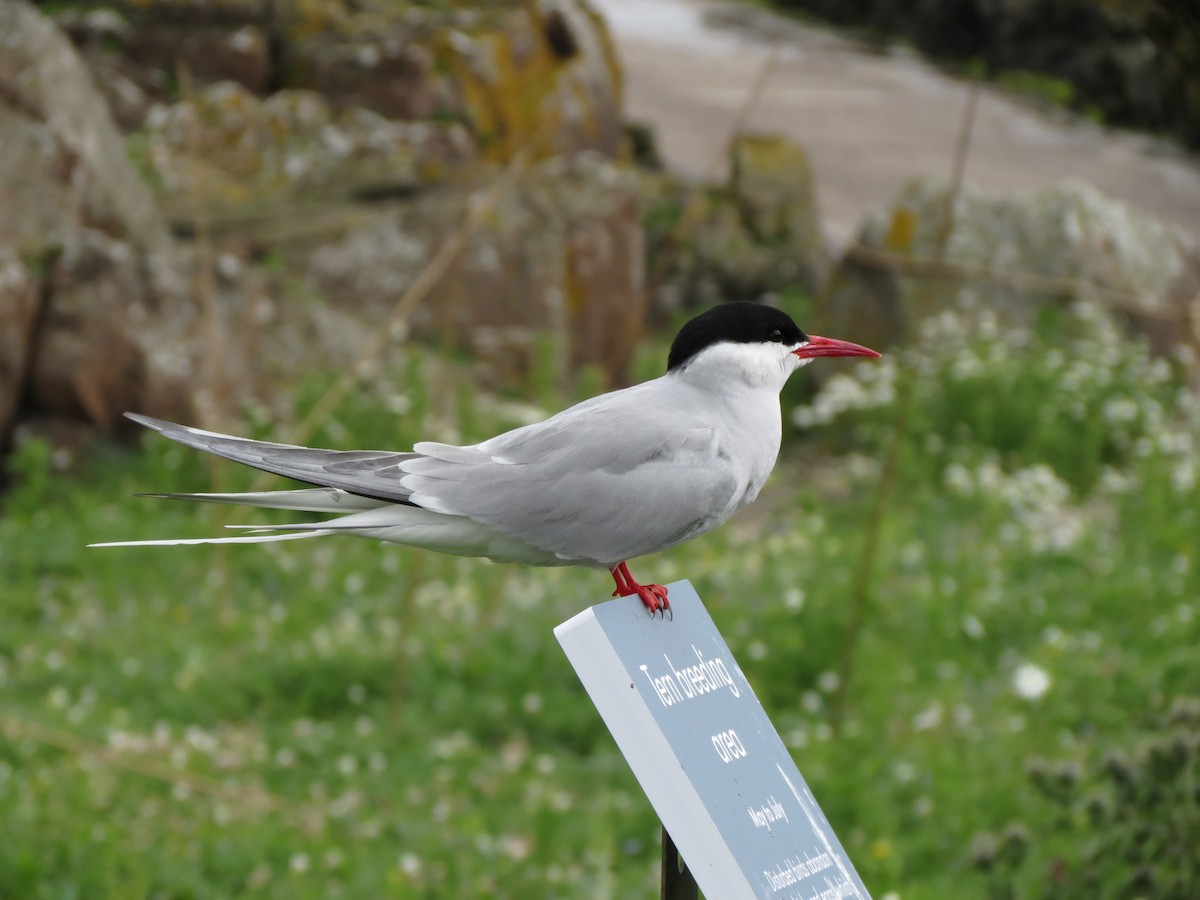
x=929 y=718
x=904 y=772
x=1030 y=682
x=1120 y=410
x=1183 y=476
x=793 y=599
x=410 y=864
x=972 y=627
x=958 y=479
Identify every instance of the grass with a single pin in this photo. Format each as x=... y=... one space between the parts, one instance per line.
x=339 y=718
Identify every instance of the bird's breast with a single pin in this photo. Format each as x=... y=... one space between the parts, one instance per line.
x=749 y=445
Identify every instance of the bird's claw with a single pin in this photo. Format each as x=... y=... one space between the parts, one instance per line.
x=653 y=596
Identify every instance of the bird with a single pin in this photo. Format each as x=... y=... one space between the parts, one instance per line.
x=622 y=475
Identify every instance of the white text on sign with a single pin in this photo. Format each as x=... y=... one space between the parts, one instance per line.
x=687 y=682
x=771 y=811
x=729 y=746
x=794 y=870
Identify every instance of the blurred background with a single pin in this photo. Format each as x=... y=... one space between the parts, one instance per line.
x=969 y=597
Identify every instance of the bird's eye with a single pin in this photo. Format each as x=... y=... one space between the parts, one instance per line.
x=777 y=335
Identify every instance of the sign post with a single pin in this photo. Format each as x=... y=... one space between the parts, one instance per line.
x=706 y=754
x=677 y=880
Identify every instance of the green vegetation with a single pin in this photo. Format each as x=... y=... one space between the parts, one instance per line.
x=1137 y=808
x=338 y=718
x=1055 y=91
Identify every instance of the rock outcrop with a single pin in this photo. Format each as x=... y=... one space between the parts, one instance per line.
x=19 y=305
x=279 y=154
x=931 y=251
x=247 y=158
x=82 y=242
x=64 y=165
x=754 y=236
x=561 y=254
x=501 y=69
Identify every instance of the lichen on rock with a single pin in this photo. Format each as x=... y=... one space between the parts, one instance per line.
x=240 y=151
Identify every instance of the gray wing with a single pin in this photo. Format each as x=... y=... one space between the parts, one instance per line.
x=613 y=478
x=366 y=473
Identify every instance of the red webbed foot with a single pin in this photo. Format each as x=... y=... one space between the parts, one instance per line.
x=653 y=596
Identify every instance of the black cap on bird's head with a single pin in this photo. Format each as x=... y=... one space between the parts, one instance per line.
x=740 y=322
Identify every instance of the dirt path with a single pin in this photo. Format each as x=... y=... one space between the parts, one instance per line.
x=869 y=121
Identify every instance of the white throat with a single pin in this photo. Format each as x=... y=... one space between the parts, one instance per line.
x=728 y=365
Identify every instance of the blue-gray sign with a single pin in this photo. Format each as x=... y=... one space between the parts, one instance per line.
x=705 y=753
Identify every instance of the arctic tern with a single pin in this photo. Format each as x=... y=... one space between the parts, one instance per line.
x=622 y=475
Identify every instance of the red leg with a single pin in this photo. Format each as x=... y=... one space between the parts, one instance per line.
x=618 y=574
x=653 y=596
